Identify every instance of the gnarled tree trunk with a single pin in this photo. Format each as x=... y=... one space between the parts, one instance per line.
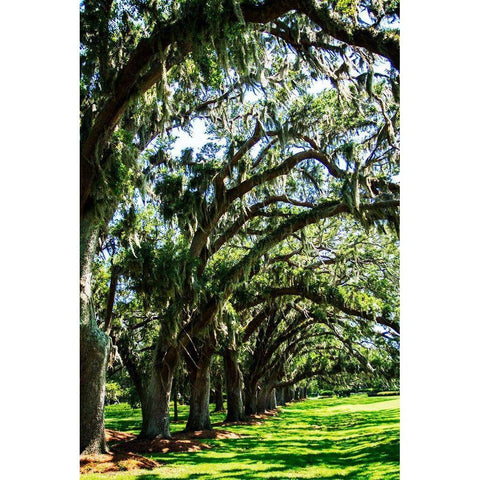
x=271 y=399
x=266 y=399
x=262 y=400
x=218 y=395
x=250 y=398
x=233 y=381
x=288 y=394
x=297 y=393
x=156 y=414
x=94 y=351
x=199 y=361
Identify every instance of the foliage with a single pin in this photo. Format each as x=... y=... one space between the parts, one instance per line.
x=290 y=211
x=114 y=393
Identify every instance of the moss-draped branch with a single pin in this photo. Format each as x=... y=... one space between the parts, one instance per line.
x=145 y=65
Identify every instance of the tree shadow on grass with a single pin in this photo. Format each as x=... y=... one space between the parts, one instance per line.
x=358 y=455
x=349 y=445
x=149 y=476
x=126 y=419
x=122 y=418
x=275 y=472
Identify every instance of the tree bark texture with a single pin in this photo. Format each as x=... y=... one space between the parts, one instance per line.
x=233 y=381
x=94 y=353
x=94 y=350
x=272 y=400
x=218 y=395
x=250 y=398
x=198 y=363
x=266 y=399
x=89 y=231
x=156 y=419
x=262 y=397
x=288 y=394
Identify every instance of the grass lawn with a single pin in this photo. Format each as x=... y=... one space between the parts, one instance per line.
x=355 y=437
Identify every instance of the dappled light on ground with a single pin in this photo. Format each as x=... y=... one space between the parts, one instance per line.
x=162 y=445
x=181 y=442
x=114 y=436
x=351 y=438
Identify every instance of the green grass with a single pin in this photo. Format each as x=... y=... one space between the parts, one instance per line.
x=334 y=438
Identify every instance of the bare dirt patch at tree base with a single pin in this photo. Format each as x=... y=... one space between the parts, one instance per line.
x=180 y=442
x=161 y=445
x=240 y=422
x=115 y=462
x=114 y=436
x=266 y=414
x=262 y=416
x=256 y=419
x=126 y=447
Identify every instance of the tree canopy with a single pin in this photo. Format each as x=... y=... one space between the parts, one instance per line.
x=276 y=244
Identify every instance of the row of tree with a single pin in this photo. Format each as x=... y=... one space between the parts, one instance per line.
x=288 y=322
x=274 y=246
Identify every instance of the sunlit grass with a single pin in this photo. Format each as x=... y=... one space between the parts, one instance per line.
x=126 y=419
x=353 y=438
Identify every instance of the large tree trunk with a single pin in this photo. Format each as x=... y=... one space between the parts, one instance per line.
x=288 y=394
x=250 y=398
x=261 y=401
x=94 y=351
x=156 y=414
x=297 y=393
x=281 y=396
x=218 y=395
x=233 y=381
x=199 y=361
x=271 y=399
